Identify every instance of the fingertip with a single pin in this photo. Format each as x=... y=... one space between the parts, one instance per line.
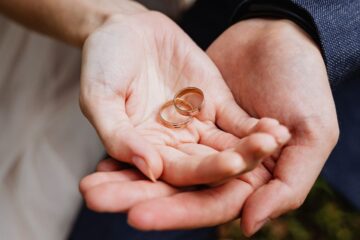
x=249 y=230
x=255 y=148
x=262 y=144
x=83 y=186
x=282 y=135
x=246 y=229
x=92 y=180
x=141 y=219
x=267 y=202
x=111 y=197
x=144 y=167
x=273 y=127
x=230 y=163
x=153 y=161
x=96 y=201
x=265 y=123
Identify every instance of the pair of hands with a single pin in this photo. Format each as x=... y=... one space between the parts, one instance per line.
x=133 y=64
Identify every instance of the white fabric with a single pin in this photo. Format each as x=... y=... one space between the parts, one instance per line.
x=46 y=145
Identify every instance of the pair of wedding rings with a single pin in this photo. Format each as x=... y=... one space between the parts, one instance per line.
x=187 y=102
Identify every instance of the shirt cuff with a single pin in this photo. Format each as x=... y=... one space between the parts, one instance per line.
x=281 y=9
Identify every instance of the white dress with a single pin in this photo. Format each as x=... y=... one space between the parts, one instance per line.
x=46 y=145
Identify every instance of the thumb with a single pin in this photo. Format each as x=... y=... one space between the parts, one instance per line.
x=121 y=139
x=268 y=202
x=231 y=118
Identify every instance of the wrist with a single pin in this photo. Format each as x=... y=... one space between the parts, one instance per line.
x=281 y=9
x=260 y=31
x=101 y=12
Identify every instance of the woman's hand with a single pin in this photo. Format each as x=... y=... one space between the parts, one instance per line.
x=131 y=66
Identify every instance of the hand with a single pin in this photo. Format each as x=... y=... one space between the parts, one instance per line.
x=275 y=70
x=131 y=66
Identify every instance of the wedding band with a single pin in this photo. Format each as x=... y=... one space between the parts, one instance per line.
x=180 y=124
x=195 y=109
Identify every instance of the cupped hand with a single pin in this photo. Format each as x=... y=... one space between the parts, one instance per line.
x=131 y=66
x=275 y=69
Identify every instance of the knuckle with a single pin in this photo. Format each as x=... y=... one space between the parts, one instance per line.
x=259 y=142
x=297 y=203
x=269 y=121
x=319 y=129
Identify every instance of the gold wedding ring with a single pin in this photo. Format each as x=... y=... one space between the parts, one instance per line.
x=179 y=123
x=193 y=96
x=185 y=105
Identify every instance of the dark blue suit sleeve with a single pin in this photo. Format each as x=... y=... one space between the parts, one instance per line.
x=336 y=24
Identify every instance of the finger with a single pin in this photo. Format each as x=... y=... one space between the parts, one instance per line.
x=120 y=137
x=196 y=149
x=210 y=135
x=193 y=209
x=110 y=165
x=234 y=120
x=295 y=174
x=231 y=118
x=120 y=196
x=273 y=127
x=216 y=167
x=265 y=207
x=199 y=169
x=98 y=178
x=256 y=148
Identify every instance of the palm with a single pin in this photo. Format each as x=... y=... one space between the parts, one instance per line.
x=174 y=65
x=287 y=75
x=131 y=68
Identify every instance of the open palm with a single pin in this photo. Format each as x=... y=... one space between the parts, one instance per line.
x=131 y=67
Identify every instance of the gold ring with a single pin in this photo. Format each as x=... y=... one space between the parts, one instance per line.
x=179 y=124
x=196 y=107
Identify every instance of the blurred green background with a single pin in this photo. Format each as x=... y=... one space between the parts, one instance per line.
x=325 y=215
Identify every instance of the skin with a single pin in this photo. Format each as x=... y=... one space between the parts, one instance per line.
x=273 y=69
x=222 y=138
x=130 y=67
x=278 y=71
x=123 y=87
x=67 y=20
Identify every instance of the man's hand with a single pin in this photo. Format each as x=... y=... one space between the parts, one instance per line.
x=275 y=70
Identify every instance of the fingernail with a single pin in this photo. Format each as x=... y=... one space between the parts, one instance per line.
x=260 y=224
x=143 y=167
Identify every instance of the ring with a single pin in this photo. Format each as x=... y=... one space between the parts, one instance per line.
x=195 y=105
x=179 y=124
